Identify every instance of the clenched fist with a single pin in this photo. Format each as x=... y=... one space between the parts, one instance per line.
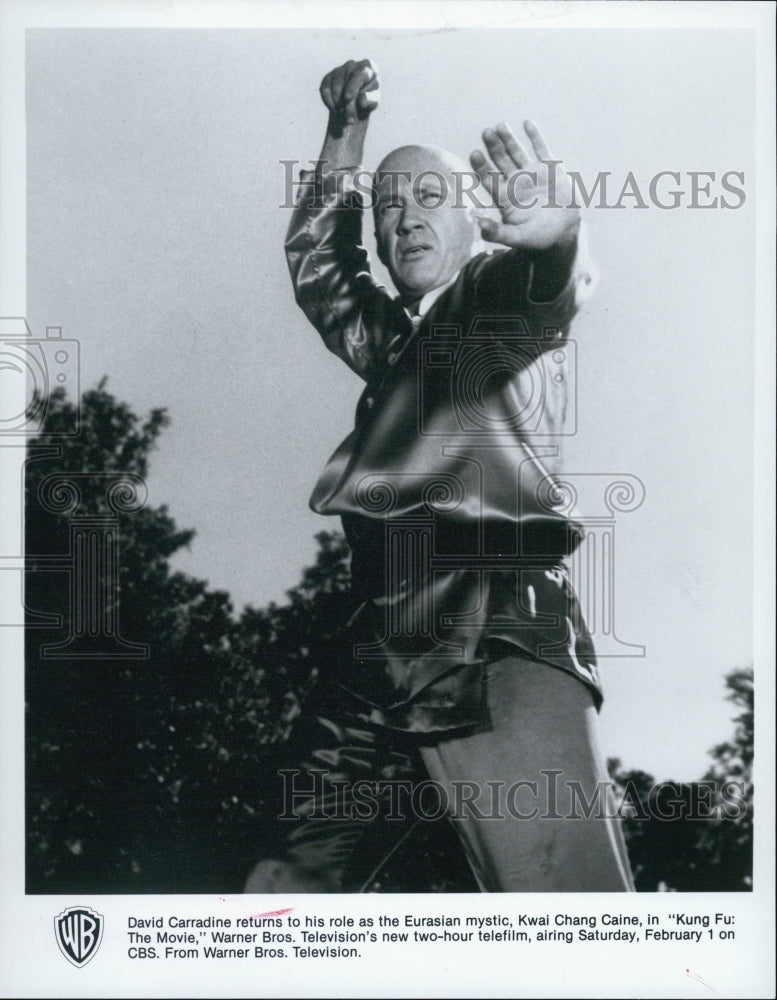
x=351 y=91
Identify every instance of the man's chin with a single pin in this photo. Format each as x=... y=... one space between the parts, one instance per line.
x=414 y=286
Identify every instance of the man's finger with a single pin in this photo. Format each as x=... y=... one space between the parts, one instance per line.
x=490 y=178
x=495 y=232
x=336 y=80
x=538 y=143
x=369 y=95
x=326 y=92
x=374 y=81
x=368 y=100
x=348 y=99
x=361 y=74
x=498 y=151
x=514 y=149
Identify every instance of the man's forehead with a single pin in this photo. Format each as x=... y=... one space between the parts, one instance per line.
x=408 y=163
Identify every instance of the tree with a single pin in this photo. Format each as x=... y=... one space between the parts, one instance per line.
x=728 y=843
x=101 y=736
x=155 y=774
x=159 y=773
x=696 y=836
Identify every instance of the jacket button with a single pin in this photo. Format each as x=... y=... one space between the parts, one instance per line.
x=392 y=358
x=370 y=401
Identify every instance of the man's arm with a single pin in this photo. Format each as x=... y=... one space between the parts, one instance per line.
x=329 y=266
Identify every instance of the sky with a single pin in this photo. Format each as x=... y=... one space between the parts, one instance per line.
x=154 y=236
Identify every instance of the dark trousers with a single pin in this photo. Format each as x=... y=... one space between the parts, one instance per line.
x=527 y=793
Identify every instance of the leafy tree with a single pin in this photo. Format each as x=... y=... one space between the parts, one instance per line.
x=696 y=836
x=155 y=774
x=728 y=843
x=159 y=773
x=106 y=811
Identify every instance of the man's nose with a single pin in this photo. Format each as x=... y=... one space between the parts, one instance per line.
x=409 y=218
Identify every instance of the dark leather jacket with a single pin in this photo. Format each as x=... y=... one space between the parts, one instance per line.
x=445 y=485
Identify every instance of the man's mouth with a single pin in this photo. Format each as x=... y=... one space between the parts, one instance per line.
x=412 y=253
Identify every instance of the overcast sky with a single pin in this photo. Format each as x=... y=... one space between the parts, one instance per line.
x=155 y=238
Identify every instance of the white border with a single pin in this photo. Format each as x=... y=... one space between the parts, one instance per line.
x=25 y=968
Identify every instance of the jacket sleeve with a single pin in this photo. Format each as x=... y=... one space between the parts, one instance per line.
x=505 y=281
x=330 y=272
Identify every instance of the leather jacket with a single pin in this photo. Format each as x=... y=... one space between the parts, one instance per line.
x=446 y=484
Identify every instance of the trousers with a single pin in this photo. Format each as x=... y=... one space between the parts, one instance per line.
x=527 y=794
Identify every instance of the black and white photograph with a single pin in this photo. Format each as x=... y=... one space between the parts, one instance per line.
x=387 y=454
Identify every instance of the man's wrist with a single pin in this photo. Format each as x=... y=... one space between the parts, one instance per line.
x=552 y=267
x=344 y=144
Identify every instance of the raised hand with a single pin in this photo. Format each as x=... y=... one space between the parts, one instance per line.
x=532 y=192
x=351 y=92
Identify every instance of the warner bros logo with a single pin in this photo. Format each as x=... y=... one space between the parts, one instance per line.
x=79 y=931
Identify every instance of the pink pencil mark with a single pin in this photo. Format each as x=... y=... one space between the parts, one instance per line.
x=272 y=913
x=698 y=979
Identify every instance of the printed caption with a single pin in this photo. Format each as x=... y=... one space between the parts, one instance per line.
x=309 y=936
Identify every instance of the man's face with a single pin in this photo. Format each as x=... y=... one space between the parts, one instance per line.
x=423 y=239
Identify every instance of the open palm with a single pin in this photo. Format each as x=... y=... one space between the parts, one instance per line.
x=532 y=192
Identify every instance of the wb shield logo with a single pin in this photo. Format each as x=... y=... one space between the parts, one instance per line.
x=79 y=932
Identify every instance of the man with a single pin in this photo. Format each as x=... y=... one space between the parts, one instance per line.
x=472 y=672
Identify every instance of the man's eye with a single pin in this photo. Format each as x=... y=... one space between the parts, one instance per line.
x=389 y=206
x=431 y=197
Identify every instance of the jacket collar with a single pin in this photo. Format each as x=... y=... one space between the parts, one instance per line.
x=426 y=301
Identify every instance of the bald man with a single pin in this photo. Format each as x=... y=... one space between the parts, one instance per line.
x=471 y=690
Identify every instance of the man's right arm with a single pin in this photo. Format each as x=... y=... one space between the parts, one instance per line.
x=328 y=264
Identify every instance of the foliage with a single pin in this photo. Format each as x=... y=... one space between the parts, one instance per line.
x=159 y=773
x=155 y=774
x=696 y=837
